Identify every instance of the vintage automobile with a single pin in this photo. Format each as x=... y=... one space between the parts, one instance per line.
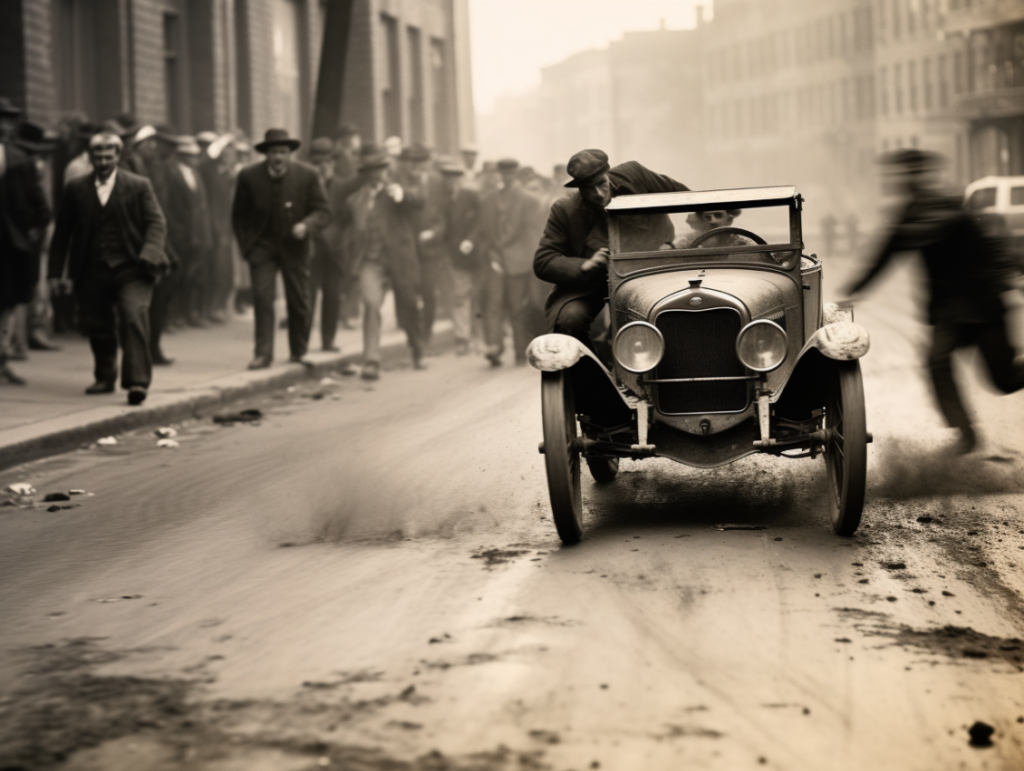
x=721 y=349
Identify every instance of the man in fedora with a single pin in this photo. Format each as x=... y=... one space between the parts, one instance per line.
x=278 y=205
x=109 y=242
x=381 y=239
x=24 y=215
x=573 y=252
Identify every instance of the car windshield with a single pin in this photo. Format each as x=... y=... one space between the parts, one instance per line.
x=695 y=232
x=982 y=199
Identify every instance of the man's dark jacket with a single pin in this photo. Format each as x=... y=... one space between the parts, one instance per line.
x=140 y=224
x=24 y=209
x=303 y=197
x=577 y=228
x=462 y=223
x=967 y=270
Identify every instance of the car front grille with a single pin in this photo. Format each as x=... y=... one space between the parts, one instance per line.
x=701 y=344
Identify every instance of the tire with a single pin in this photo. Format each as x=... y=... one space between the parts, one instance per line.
x=562 y=455
x=846 y=451
x=603 y=470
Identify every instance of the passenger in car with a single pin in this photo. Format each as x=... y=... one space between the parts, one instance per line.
x=702 y=222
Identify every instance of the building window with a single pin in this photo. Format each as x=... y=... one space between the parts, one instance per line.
x=172 y=69
x=443 y=135
x=417 y=108
x=243 y=70
x=883 y=91
x=897 y=88
x=926 y=83
x=391 y=91
x=287 y=109
x=912 y=86
x=897 y=11
x=943 y=79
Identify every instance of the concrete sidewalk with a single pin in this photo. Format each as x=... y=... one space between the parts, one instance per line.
x=52 y=413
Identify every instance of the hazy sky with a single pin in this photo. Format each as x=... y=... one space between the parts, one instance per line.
x=513 y=39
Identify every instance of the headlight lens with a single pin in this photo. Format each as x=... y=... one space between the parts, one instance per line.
x=761 y=345
x=638 y=347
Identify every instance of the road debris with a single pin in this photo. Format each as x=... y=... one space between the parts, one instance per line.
x=76 y=491
x=166 y=432
x=981 y=734
x=107 y=441
x=119 y=599
x=244 y=416
x=51 y=497
x=168 y=444
x=740 y=527
x=22 y=488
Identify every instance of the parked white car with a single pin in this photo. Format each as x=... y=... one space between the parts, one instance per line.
x=1003 y=196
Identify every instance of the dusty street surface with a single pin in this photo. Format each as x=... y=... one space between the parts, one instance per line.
x=369 y=579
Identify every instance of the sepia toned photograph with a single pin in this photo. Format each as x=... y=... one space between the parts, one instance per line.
x=511 y=385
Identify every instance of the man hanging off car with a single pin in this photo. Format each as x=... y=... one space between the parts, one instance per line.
x=573 y=252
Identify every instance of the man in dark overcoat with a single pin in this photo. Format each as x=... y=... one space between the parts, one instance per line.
x=109 y=242
x=967 y=273
x=24 y=215
x=327 y=275
x=509 y=233
x=381 y=240
x=573 y=252
x=278 y=205
x=459 y=240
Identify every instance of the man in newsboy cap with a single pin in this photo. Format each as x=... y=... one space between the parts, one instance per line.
x=278 y=205
x=573 y=252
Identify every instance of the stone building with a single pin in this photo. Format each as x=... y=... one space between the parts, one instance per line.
x=253 y=64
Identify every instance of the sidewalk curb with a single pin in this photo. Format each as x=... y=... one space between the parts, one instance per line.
x=65 y=433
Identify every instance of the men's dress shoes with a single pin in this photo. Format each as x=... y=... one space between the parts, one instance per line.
x=8 y=377
x=40 y=343
x=99 y=387
x=371 y=371
x=300 y=360
x=260 y=362
x=136 y=395
x=331 y=349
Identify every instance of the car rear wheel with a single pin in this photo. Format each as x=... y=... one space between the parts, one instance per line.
x=846 y=448
x=562 y=455
x=603 y=469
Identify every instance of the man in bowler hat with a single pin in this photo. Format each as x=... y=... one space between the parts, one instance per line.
x=573 y=252
x=278 y=205
x=110 y=237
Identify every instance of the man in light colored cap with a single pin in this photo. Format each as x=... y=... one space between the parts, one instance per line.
x=278 y=205
x=573 y=252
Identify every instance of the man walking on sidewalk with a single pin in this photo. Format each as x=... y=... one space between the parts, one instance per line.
x=111 y=224
x=24 y=215
x=278 y=205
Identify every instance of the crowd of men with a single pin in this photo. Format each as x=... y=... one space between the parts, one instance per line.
x=125 y=232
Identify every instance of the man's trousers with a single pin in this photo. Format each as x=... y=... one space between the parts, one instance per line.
x=373 y=284
x=327 y=277
x=506 y=297
x=463 y=284
x=264 y=265
x=114 y=303
x=1006 y=371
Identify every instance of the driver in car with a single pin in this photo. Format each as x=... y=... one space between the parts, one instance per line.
x=573 y=252
x=702 y=222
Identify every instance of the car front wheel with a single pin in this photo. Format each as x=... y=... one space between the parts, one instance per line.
x=846 y=453
x=562 y=455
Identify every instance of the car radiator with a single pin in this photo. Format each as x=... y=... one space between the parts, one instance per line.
x=701 y=344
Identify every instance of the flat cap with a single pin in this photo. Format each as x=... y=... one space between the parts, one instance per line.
x=585 y=166
x=417 y=151
x=321 y=146
x=508 y=164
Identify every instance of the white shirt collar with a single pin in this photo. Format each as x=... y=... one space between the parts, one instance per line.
x=104 y=189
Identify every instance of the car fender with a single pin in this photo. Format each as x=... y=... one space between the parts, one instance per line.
x=839 y=340
x=596 y=396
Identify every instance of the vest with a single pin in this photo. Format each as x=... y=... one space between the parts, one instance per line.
x=105 y=242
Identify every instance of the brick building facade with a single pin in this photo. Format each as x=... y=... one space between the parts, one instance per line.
x=252 y=64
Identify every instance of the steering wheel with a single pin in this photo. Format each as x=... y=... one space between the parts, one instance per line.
x=701 y=238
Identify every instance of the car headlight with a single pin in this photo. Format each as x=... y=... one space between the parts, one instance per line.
x=761 y=345
x=638 y=347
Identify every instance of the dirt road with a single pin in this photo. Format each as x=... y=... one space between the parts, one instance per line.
x=369 y=579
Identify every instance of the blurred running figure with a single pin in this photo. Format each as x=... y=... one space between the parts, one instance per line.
x=967 y=273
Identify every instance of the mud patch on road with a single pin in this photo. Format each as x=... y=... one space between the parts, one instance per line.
x=492 y=557
x=527 y=619
x=909 y=469
x=63 y=707
x=953 y=642
x=673 y=731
